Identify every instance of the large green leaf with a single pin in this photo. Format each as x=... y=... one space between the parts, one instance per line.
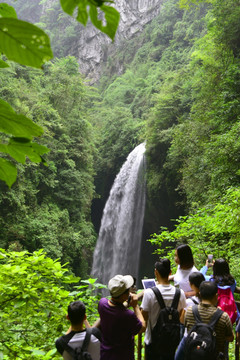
x=3 y=64
x=69 y=5
x=17 y=125
x=19 y=148
x=8 y=172
x=82 y=16
x=7 y=11
x=24 y=43
x=112 y=18
x=111 y=15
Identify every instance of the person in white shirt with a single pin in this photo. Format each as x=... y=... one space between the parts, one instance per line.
x=76 y=333
x=184 y=260
x=151 y=309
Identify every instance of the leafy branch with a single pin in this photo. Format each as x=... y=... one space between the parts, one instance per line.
x=28 y=45
x=94 y=9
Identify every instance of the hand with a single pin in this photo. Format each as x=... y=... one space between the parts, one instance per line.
x=134 y=300
x=190 y=293
x=209 y=264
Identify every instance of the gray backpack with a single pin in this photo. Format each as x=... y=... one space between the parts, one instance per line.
x=80 y=353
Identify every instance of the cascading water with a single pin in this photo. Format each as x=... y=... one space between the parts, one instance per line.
x=119 y=243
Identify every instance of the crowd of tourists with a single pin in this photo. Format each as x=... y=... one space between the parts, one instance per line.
x=190 y=320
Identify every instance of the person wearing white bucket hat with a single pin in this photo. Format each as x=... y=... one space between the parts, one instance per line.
x=119 y=324
x=119 y=284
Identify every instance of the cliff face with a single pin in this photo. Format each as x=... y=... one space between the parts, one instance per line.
x=90 y=46
x=93 y=47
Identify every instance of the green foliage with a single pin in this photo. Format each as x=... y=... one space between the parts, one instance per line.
x=205 y=145
x=27 y=44
x=190 y=3
x=19 y=126
x=88 y=292
x=34 y=303
x=7 y=11
x=212 y=230
x=49 y=207
x=19 y=145
x=8 y=172
x=24 y=43
x=193 y=126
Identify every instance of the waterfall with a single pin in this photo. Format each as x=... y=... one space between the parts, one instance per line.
x=119 y=242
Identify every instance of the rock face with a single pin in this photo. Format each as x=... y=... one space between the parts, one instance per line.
x=93 y=47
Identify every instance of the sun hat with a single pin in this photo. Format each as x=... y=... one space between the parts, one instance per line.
x=119 y=284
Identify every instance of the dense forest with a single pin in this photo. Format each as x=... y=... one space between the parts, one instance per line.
x=178 y=89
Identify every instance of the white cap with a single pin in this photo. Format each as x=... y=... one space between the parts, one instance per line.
x=119 y=284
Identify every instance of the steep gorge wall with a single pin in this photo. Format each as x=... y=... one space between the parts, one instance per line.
x=93 y=48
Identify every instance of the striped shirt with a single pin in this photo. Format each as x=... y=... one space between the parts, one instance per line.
x=223 y=327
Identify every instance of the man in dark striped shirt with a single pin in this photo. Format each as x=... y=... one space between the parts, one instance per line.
x=207 y=307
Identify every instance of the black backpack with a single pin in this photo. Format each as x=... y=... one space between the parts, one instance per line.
x=81 y=352
x=201 y=340
x=166 y=332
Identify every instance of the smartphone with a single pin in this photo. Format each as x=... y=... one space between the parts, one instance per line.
x=210 y=259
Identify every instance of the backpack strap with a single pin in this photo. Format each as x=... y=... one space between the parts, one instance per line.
x=194 y=301
x=97 y=333
x=176 y=298
x=66 y=347
x=160 y=300
x=86 y=339
x=214 y=319
x=159 y=297
x=196 y=314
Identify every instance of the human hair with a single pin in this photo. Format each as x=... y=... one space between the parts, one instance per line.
x=76 y=312
x=207 y=290
x=163 y=267
x=221 y=273
x=196 y=278
x=185 y=256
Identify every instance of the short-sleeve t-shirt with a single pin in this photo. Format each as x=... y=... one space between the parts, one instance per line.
x=151 y=305
x=118 y=327
x=181 y=278
x=75 y=339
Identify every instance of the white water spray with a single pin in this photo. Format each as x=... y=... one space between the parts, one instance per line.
x=119 y=243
